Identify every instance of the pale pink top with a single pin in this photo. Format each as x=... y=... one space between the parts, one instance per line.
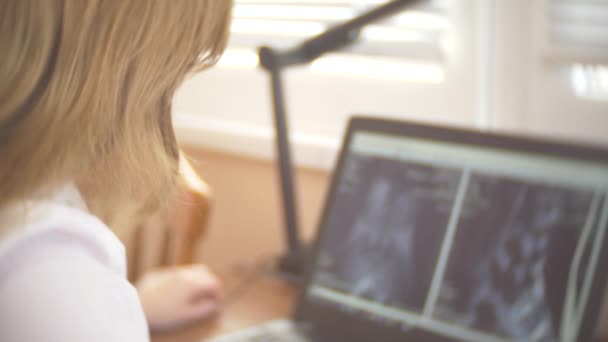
x=62 y=275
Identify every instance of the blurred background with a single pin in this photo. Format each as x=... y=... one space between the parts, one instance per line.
x=534 y=67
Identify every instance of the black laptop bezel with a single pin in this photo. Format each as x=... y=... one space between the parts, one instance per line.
x=518 y=143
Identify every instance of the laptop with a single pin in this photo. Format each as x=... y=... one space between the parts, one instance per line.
x=442 y=234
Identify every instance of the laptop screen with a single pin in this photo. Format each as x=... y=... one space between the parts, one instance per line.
x=447 y=241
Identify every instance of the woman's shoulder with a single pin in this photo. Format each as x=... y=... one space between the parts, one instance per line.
x=61 y=219
x=62 y=276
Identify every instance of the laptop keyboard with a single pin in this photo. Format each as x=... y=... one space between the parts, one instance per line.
x=277 y=331
x=266 y=337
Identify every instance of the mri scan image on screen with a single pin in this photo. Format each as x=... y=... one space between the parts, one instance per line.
x=460 y=249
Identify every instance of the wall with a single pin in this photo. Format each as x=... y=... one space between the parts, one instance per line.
x=246 y=221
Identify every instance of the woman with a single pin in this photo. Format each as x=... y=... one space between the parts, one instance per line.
x=86 y=145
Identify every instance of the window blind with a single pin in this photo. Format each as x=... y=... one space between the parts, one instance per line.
x=578 y=36
x=415 y=35
x=578 y=30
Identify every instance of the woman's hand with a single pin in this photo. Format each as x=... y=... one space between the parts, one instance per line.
x=179 y=295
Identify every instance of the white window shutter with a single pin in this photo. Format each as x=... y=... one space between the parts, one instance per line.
x=577 y=37
x=414 y=34
x=578 y=30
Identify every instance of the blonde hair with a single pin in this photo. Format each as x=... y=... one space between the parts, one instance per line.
x=85 y=96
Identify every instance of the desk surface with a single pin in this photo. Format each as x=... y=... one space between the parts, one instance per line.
x=264 y=299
